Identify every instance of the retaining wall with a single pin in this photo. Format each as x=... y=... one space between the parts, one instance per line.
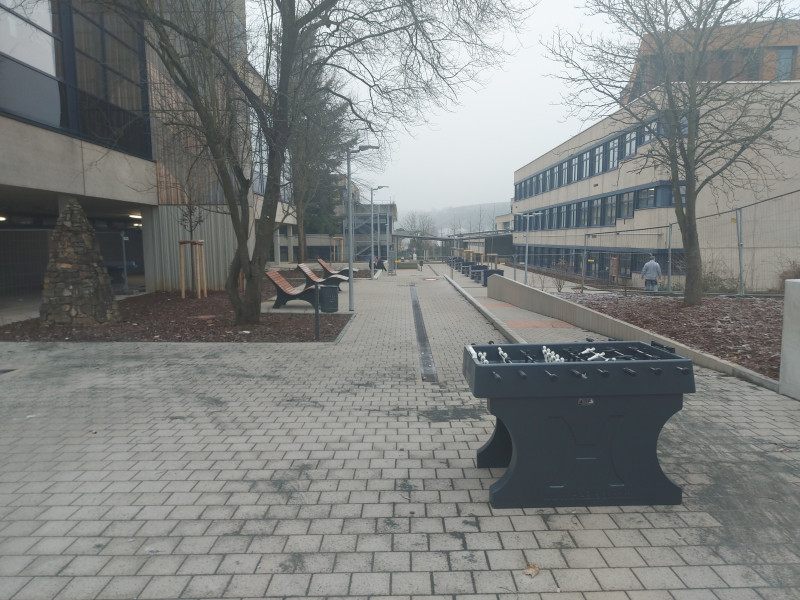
x=518 y=294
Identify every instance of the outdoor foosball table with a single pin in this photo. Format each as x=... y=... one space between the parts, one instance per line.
x=578 y=424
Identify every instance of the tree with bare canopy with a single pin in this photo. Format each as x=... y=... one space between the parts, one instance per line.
x=392 y=61
x=695 y=76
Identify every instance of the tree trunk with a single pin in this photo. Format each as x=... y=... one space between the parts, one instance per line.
x=302 y=250
x=693 y=294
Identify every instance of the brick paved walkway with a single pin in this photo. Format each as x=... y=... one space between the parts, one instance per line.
x=331 y=470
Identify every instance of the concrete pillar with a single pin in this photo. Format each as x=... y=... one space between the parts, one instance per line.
x=276 y=245
x=789 y=384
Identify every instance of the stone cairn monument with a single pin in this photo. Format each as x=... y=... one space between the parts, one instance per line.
x=77 y=287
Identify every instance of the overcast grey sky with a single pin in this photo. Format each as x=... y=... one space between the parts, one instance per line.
x=469 y=155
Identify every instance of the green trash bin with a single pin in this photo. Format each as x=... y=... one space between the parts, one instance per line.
x=328 y=298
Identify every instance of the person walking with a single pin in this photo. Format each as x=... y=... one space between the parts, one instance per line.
x=651 y=273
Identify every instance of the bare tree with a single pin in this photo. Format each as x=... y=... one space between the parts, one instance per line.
x=695 y=78
x=397 y=60
x=320 y=138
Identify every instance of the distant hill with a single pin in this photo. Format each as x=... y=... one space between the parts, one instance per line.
x=476 y=217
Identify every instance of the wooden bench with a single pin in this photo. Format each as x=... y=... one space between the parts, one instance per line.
x=326 y=268
x=286 y=292
x=312 y=278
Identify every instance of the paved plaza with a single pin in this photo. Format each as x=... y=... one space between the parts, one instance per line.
x=162 y=470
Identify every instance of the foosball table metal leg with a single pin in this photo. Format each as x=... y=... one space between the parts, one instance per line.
x=496 y=453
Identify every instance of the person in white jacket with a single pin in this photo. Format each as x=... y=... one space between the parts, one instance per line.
x=651 y=273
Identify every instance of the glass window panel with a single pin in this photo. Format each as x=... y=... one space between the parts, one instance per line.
x=583 y=215
x=88 y=37
x=646 y=198
x=610 y=210
x=597 y=211
x=784 y=63
x=90 y=8
x=630 y=143
x=613 y=153
x=121 y=58
x=26 y=43
x=625 y=205
x=31 y=94
x=123 y=92
x=647 y=133
x=90 y=75
x=598 y=159
x=115 y=25
x=37 y=12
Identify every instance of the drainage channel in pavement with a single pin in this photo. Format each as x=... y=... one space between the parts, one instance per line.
x=427 y=366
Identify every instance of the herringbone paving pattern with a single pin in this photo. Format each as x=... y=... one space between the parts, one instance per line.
x=331 y=470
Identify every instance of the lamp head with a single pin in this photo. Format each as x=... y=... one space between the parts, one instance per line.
x=362 y=148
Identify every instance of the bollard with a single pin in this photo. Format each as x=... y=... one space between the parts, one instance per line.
x=789 y=384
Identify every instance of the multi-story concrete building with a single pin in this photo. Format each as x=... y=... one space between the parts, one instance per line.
x=589 y=207
x=77 y=120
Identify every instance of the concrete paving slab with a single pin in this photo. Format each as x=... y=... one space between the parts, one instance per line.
x=332 y=470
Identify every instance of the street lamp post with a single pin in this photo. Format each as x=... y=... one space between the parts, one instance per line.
x=372 y=230
x=527 y=231
x=350 y=220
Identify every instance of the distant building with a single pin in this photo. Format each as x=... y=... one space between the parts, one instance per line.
x=592 y=210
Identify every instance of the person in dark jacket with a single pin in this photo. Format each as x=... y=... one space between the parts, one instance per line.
x=651 y=273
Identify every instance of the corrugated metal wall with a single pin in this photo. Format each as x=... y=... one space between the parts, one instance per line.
x=162 y=230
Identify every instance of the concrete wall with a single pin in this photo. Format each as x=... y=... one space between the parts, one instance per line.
x=50 y=161
x=162 y=231
x=790 y=344
x=507 y=290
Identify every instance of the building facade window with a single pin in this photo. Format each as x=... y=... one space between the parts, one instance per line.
x=583 y=214
x=610 y=210
x=573 y=169
x=613 y=153
x=784 y=63
x=646 y=133
x=598 y=160
x=586 y=162
x=630 y=144
x=69 y=66
x=646 y=198
x=596 y=212
x=625 y=210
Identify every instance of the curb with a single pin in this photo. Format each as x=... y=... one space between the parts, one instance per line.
x=510 y=334
x=548 y=305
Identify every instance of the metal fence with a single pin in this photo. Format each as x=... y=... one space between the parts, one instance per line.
x=750 y=249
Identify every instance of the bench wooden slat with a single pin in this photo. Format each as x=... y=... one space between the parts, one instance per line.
x=286 y=292
x=312 y=278
x=328 y=270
